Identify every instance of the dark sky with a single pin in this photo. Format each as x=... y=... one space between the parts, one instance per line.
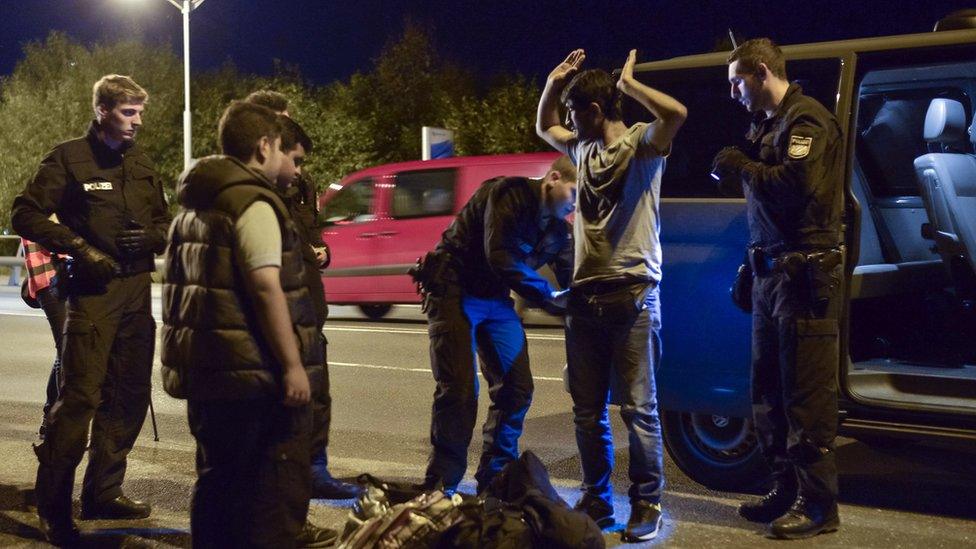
x=330 y=39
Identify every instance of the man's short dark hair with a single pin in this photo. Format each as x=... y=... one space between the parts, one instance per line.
x=564 y=166
x=594 y=86
x=751 y=53
x=242 y=125
x=275 y=101
x=292 y=135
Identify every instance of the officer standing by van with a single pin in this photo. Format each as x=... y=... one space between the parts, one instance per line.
x=510 y=227
x=793 y=180
x=113 y=219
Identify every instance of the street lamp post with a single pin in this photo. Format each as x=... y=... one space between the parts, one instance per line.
x=185 y=7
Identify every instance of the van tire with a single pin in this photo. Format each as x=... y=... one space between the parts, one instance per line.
x=376 y=312
x=718 y=452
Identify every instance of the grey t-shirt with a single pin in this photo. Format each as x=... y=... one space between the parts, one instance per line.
x=258 y=237
x=617 y=227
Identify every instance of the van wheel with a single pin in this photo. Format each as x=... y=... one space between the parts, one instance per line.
x=375 y=312
x=718 y=452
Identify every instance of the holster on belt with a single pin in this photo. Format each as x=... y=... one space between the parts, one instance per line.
x=815 y=269
x=432 y=274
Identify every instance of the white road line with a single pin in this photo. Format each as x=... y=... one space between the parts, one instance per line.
x=330 y=328
x=417 y=370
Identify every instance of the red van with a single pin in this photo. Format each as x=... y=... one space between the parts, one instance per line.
x=378 y=221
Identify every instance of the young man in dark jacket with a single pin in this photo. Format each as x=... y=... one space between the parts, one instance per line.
x=240 y=339
x=509 y=228
x=112 y=220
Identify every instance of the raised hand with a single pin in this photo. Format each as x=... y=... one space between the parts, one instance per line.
x=627 y=73
x=568 y=67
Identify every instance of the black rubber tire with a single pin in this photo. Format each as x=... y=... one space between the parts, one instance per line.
x=718 y=452
x=376 y=312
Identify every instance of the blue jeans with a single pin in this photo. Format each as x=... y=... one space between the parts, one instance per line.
x=460 y=326
x=622 y=353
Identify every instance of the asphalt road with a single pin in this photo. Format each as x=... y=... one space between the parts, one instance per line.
x=381 y=383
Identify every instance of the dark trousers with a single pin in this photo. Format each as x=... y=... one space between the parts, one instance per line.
x=321 y=415
x=106 y=367
x=55 y=311
x=794 y=384
x=253 y=483
x=623 y=354
x=459 y=326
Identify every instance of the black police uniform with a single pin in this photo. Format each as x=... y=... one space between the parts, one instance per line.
x=97 y=193
x=300 y=199
x=493 y=247
x=794 y=195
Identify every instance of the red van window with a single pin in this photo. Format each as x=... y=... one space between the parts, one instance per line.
x=423 y=193
x=352 y=204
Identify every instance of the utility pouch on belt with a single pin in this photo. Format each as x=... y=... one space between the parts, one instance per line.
x=741 y=290
x=616 y=301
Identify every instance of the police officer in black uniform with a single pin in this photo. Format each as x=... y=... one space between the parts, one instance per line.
x=793 y=181
x=509 y=228
x=113 y=219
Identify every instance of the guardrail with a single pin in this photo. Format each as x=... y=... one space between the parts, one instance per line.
x=15 y=262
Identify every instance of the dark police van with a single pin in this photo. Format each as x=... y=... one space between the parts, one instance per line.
x=907 y=367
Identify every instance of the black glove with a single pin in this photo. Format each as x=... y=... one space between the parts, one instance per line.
x=729 y=163
x=91 y=264
x=139 y=242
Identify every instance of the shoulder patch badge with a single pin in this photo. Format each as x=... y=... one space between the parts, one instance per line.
x=799 y=147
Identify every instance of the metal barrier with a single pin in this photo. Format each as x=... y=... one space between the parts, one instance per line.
x=15 y=262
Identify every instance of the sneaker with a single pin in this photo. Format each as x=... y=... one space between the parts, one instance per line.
x=645 y=521
x=313 y=536
x=597 y=509
x=805 y=519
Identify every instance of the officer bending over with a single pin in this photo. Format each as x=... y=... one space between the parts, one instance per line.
x=240 y=341
x=113 y=218
x=793 y=181
x=509 y=228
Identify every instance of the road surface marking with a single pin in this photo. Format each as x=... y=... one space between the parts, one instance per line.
x=417 y=370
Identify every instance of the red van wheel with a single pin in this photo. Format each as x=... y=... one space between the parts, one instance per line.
x=376 y=312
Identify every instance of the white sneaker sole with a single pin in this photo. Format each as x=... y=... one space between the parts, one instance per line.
x=648 y=536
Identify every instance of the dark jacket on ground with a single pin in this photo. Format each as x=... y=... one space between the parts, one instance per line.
x=212 y=347
x=501 y=237
x=95 y=191
x=795 y=191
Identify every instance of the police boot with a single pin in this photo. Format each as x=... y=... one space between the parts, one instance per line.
x=771 y=506
x=805 y=519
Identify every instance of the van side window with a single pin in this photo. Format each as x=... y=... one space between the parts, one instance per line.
x=353 y=204
x=715 y=120
x=423 y=193
x=890 y=120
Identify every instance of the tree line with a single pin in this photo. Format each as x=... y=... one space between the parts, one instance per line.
x=373 y=117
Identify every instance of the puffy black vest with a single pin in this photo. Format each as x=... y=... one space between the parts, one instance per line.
x=212 y=346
